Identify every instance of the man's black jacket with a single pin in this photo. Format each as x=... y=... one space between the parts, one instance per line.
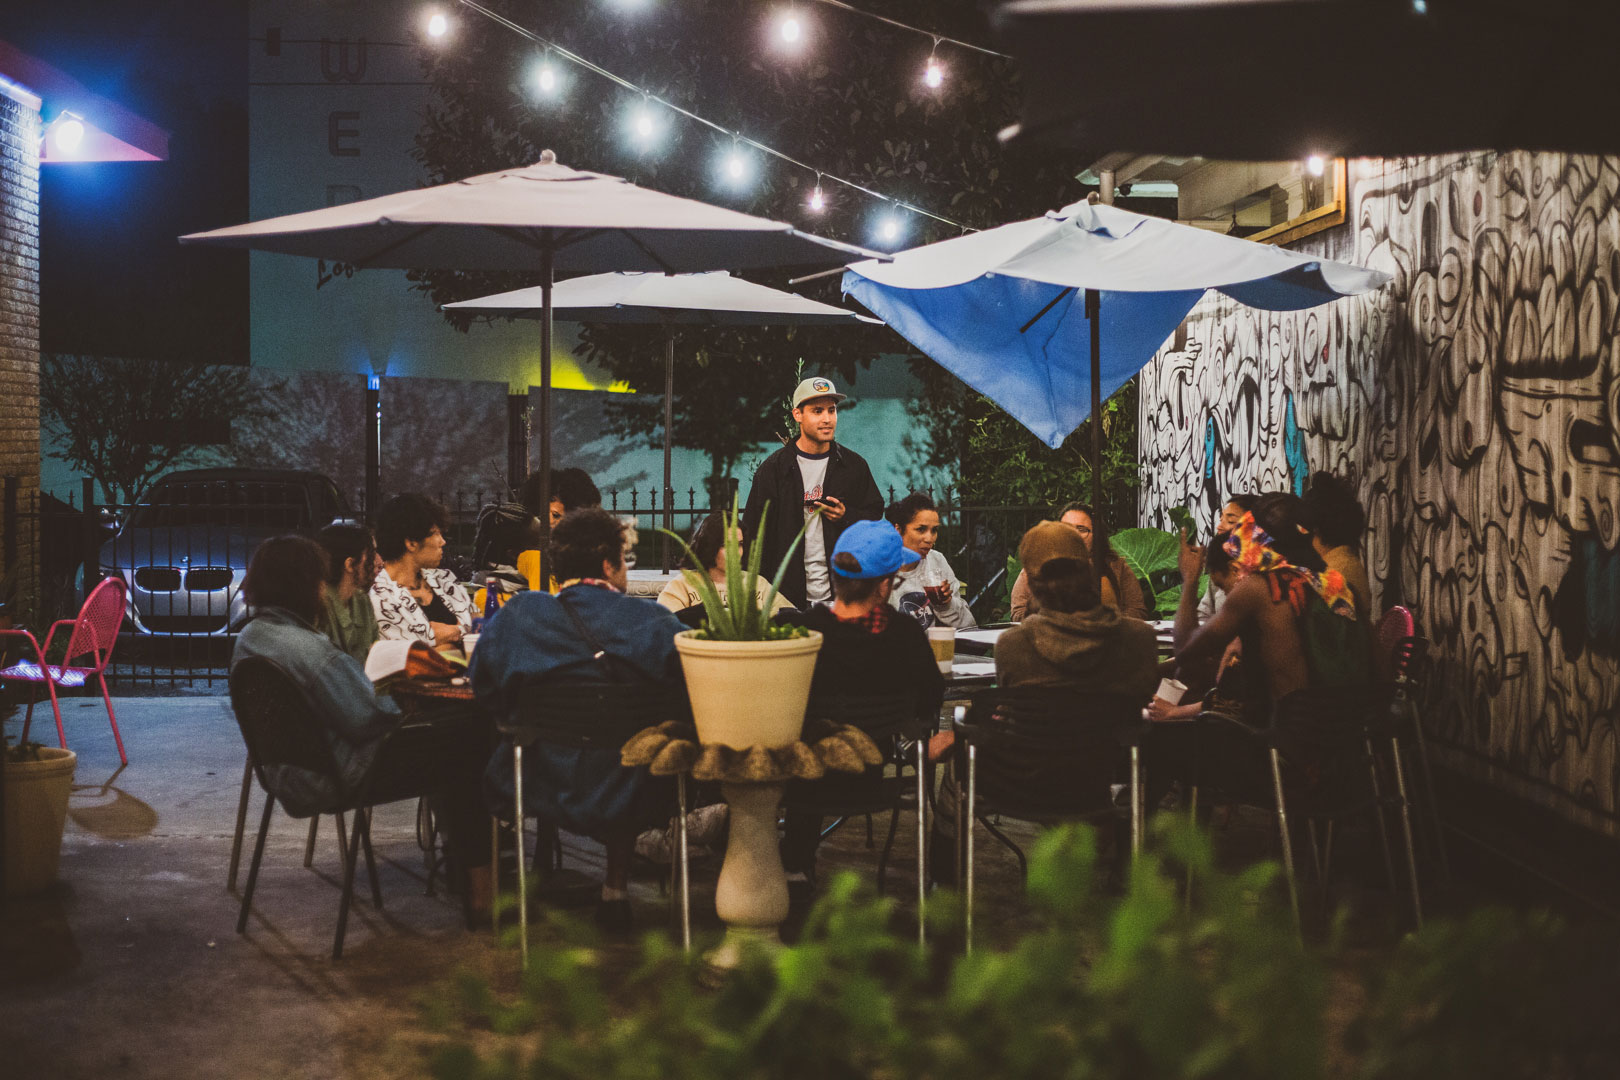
x=778 y=481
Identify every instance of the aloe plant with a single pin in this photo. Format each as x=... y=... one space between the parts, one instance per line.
x=738 y=616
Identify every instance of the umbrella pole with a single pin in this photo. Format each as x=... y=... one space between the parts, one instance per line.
x=669 y=429
x=1093 y=306
x=546 y=274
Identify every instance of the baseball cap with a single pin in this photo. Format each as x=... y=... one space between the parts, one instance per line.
x=815 y=387
x=876 y=548
x=1050 y=540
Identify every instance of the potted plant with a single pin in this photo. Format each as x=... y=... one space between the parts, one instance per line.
x=748 y=678
x=38 y=781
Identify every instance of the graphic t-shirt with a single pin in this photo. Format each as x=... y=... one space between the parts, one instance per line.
x=813 y=472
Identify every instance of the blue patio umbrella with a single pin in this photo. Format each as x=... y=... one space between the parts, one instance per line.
x=1047 y=317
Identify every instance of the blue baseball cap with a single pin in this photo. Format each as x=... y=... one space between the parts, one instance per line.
x=876 y=548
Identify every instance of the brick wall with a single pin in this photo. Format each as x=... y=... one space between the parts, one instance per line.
x=19 y=316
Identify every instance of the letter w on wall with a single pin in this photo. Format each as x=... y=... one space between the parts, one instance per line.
x=336 y=60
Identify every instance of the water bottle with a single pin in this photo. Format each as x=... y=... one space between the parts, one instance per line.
x=490 y=606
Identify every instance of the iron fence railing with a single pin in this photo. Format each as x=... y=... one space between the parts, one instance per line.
x=183 y=549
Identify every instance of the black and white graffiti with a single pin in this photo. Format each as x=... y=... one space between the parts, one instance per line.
x=1475 y=403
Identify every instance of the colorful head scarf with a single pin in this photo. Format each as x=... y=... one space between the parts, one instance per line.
x=1252 y=552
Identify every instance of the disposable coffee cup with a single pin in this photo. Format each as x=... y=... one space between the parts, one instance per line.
x=1171 y=690
x=468 y=643
x=942 y=640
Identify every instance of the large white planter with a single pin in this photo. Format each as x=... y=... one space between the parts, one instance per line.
x=36 y=811
x=748 y=693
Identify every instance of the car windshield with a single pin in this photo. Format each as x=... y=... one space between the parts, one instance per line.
x=224 y=503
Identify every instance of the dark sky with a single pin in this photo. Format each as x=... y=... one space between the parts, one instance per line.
x=113 y=279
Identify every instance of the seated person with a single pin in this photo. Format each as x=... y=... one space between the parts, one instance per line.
x=286 y=586
x=506 y=530
x=1231 y=514
x=927 y=590
x=1225 y=697
x=1117 y=585
x=708 y=544
x=1297 y=623
x=347 y=616
x=867 y=648
x=588 y=632
x=1337 y=523
x=571 y=489
x=414 y=599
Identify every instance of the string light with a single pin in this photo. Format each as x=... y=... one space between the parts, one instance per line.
x=1315 y=165
x=790 y=28
x=546 y=78
x=735 y=167
x=645 y=128
x=818 y=201
x=933 y=74
x=438 y=25
x=897 y=24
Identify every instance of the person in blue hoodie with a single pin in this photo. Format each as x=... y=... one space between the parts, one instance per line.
x=590 y=631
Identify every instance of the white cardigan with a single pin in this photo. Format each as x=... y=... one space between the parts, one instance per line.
x=401 y=618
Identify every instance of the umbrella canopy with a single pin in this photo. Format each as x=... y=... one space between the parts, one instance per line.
x=545 y=218
x=1270 y=80
x=712 y=299
x=667 y=300
x=1004 y=309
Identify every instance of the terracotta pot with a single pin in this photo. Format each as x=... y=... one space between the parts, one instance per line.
x=748 y=693
x=36 y=810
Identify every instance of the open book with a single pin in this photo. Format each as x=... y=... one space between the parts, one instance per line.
x=389 y=660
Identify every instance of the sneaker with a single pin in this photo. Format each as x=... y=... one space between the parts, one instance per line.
x=613 y=918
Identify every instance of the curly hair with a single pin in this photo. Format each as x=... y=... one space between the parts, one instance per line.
x=901 y=513
x=1332 y=511
x=583 y=540
x=408 y=517
x=574 y=488
x=342 y=543
x=1282 y=515
x=286 y=572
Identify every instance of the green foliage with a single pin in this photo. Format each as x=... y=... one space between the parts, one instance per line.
x=20 y=751
x=739 y=616
x=1126 y=987
x=1151 y=555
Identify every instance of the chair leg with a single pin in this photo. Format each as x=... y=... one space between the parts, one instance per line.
x=1137 y=802
x=1287 y=845
x=1006 y=842
x=356 y=839
x=28 y=717
x=364 y=815
x=922 y=843
x=888 y=845
x=56 y=707
x=253 y=865
x=1406 y=831
x=342 y=835
x=309 y=841
x=1383 y=823
x=241 y=825
x=427 y=833
x=495 y=871
x=523 y=876
x=684 y=858
x=1422 y=748
x=123 y=758
x=969 y=817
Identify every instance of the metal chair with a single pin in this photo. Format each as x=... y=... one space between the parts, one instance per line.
x=282 y=729
x=1399 y=651
x=95 y=632
x=892 y=722
x=1046 y=756
x=241 y=830
x=593 y=716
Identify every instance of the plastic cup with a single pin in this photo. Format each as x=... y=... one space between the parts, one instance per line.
x=942 y=639
x=1171 y=690
x=469 y=642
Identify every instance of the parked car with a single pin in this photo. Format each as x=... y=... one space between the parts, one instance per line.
x=183 y=549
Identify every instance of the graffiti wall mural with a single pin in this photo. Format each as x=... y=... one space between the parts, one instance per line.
x=1475 y=404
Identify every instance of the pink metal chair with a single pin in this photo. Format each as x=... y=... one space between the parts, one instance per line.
x=95 y=632
x=1396 y=656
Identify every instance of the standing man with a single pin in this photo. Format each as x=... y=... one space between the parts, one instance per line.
x=811 y=473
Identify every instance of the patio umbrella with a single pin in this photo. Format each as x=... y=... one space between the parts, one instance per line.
x=667 y=300
x=545 y=218
x=1018 y=311
x=1269 y=80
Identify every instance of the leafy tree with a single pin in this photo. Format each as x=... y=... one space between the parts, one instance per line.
x=853 y=104
x=127 y=422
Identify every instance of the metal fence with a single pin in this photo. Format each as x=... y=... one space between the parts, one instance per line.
x=183 y=550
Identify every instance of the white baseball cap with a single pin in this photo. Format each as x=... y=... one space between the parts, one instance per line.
x=815 y=387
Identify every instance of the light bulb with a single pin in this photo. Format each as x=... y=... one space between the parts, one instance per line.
x=1315 y=165
x=818 y=201
x=68 y=134
x=437 y=25
x=735 y=167
x=791 y=29
x=547 y=79
x=644 y=124
x=890 y=229
x=933 y=74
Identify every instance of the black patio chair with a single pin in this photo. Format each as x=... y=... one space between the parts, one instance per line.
x=892 y=722
x=282 y=729
x=1045 y=756
x=594 y=715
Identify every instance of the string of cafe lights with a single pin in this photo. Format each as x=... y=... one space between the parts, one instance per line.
x=736 y=165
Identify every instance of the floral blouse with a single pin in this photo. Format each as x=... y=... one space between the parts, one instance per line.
x=401 y=618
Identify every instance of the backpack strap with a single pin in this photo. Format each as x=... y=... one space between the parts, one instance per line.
x=617 y=668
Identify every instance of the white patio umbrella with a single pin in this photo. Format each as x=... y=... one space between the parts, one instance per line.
x=545 y=218
x=1001 y=308
x=667 y=300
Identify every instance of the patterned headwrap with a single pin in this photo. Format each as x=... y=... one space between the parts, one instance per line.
x=1251 y=550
